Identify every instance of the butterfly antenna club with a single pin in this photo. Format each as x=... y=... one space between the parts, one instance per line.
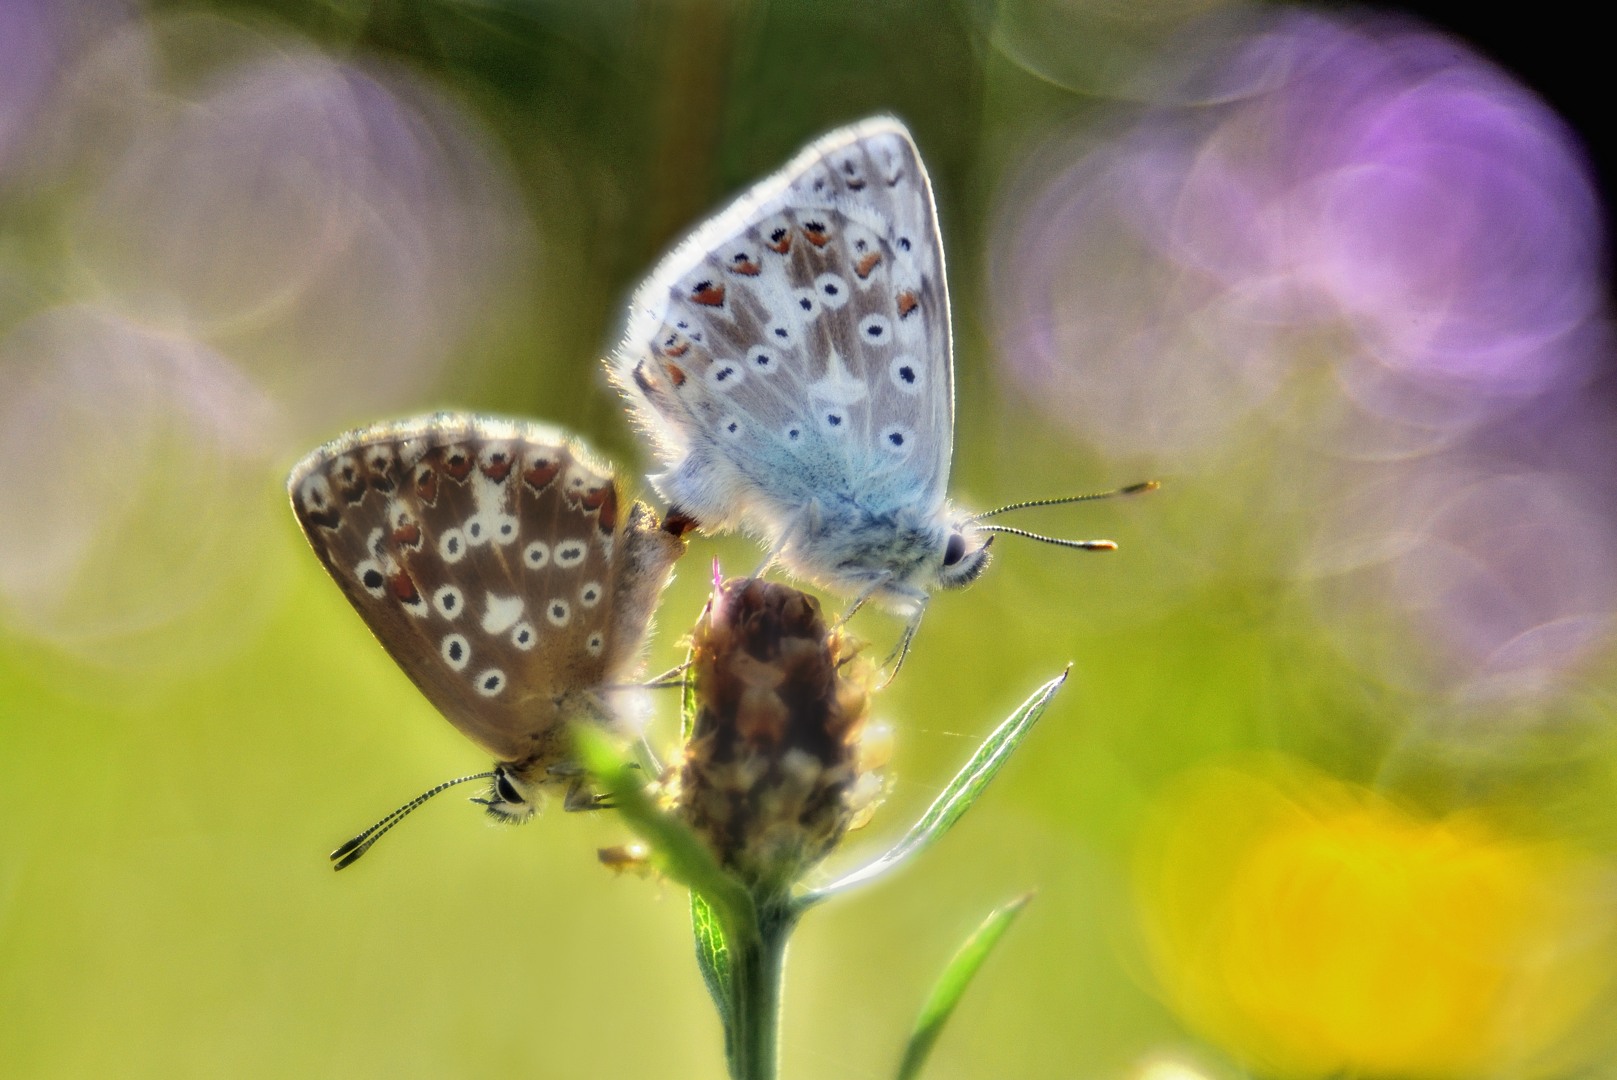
x=1132 y=489
x=1081 y=545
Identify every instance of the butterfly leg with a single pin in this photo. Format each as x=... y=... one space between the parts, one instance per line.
x=774 y=553
x=902 y=650
x=667 y=680
x=580 y=798
x=807 y=523
x=860 y=600
x=646 y=757
x=674 y=676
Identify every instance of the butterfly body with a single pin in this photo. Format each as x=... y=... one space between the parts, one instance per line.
x=791 y=364
x=497 y=564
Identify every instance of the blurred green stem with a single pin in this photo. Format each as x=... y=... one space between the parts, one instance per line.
x=753 y=1038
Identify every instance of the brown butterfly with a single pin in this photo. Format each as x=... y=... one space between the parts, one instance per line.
x=494 y=561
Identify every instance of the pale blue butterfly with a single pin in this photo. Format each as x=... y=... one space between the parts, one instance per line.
x=791 y=364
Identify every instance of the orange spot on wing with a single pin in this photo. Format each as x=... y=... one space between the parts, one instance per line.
x=407 y=535
x=907 y=302
x=540 y=474
x=746 y=266
x=426 y=485
x=403 y=587
x=865 y=265
x=676 y=374
x=816 y=234
x=498 y=469
x=458 y=464
x=607 y=504
x=781 y=241
x=708 y=294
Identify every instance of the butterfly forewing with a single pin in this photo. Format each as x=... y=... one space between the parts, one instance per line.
x=796 y=348
x=487 y=557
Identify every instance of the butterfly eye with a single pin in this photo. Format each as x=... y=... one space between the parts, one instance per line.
x=505 y=789
x=955 y=550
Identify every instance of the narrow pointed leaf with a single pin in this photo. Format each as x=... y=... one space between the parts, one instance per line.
x=687 y=700
x=713 y=955
x=957 y=975
x=678 y=852
x=964 y=790
x=712 y=951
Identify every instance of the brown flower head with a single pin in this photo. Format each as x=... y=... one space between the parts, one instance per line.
x=771 y=777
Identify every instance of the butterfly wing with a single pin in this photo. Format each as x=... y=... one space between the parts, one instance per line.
x=796 y=350
x=491 y=561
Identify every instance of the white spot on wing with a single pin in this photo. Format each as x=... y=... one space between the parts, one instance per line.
x=805 y=304
x=501 y=613
x=370 y=577
x=831 y=290
x=905 y=374
x=780 y=334
x=449 y=601
x=455 y=650
x=452 y=546
x=725 y=375
x=875 y=330
x=315 y=493
x=558 y=612
x=836 y=386
x=490 y=682
x=536 y=555
x=896 y=440
x=479 y=529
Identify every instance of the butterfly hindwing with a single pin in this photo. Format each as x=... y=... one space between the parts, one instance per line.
x=796 y=348
x=488 y=558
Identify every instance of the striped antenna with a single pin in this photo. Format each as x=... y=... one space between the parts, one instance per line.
x=1081 y=545
x=359 y=845
x=1132 y=489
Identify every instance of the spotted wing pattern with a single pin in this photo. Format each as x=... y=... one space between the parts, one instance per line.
x=493 y=562
x=796 y=348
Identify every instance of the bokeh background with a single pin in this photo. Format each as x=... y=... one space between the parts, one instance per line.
x=1333 y=788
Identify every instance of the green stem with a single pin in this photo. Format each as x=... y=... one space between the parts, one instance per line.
x=753 y=1038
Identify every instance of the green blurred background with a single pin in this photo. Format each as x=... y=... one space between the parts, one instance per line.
x=1333 y=788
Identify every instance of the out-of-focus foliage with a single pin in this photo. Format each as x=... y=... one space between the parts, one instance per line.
x=1325 y=930
x=1333 y=787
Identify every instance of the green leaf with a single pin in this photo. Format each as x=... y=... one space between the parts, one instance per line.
x=957 y=975
x=677 y=850
x=713 y=956
x=964 y=790
x=712 y=951
x=687 y=699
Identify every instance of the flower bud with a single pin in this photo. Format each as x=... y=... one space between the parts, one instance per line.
x=771 y=777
